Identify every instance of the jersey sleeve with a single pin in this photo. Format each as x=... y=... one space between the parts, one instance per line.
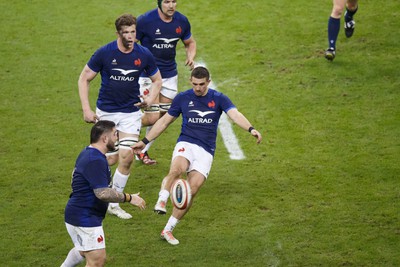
x=175 y=109
x=95 y=63
x=187 y=33
x=226 y=103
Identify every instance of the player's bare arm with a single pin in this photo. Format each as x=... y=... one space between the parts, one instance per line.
x=156 y=83
x=87 y=75
x=239 y=119
x=111 y=195
x=190 y=46
x=159 y=127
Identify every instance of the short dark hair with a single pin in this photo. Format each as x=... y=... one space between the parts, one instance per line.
x=200 y=73
x=99 y=129
x=124 y=20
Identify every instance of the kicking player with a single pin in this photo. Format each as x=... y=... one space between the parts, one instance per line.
x=201 y=109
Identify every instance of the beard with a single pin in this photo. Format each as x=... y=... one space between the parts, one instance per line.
x=111 y=145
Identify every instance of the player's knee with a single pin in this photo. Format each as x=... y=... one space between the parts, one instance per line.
x=125 y=150
x=337 y=11
x=97 y=259
x=102 y=259
x=124 y=162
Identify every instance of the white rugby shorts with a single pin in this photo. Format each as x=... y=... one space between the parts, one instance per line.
x=86 y=238
x=169 y=86
x=129 y=123
x=199 y=159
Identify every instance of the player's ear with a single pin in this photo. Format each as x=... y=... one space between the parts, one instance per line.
x=104 y=138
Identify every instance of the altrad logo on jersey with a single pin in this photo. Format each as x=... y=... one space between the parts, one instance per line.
x=123 y=77
x=202 y=114
x=168 y=43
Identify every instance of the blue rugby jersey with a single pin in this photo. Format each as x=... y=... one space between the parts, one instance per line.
x=120 y=72
x=161 y=38
x=91 y=172
x=200 y=116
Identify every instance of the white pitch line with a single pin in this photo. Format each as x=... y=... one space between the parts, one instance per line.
x=228 y=136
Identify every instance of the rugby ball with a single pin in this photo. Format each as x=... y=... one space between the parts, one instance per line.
x=181 y=194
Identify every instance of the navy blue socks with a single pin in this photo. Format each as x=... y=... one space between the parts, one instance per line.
x=349 y=14
x=333 y=31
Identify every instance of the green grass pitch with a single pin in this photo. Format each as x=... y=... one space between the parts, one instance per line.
x=321 y=190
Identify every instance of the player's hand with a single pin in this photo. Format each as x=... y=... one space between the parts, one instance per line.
x=189 y=63
x=138 y=147
x=90 y=117
x=144 y=102
x=257 y=135
x=137 y=201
